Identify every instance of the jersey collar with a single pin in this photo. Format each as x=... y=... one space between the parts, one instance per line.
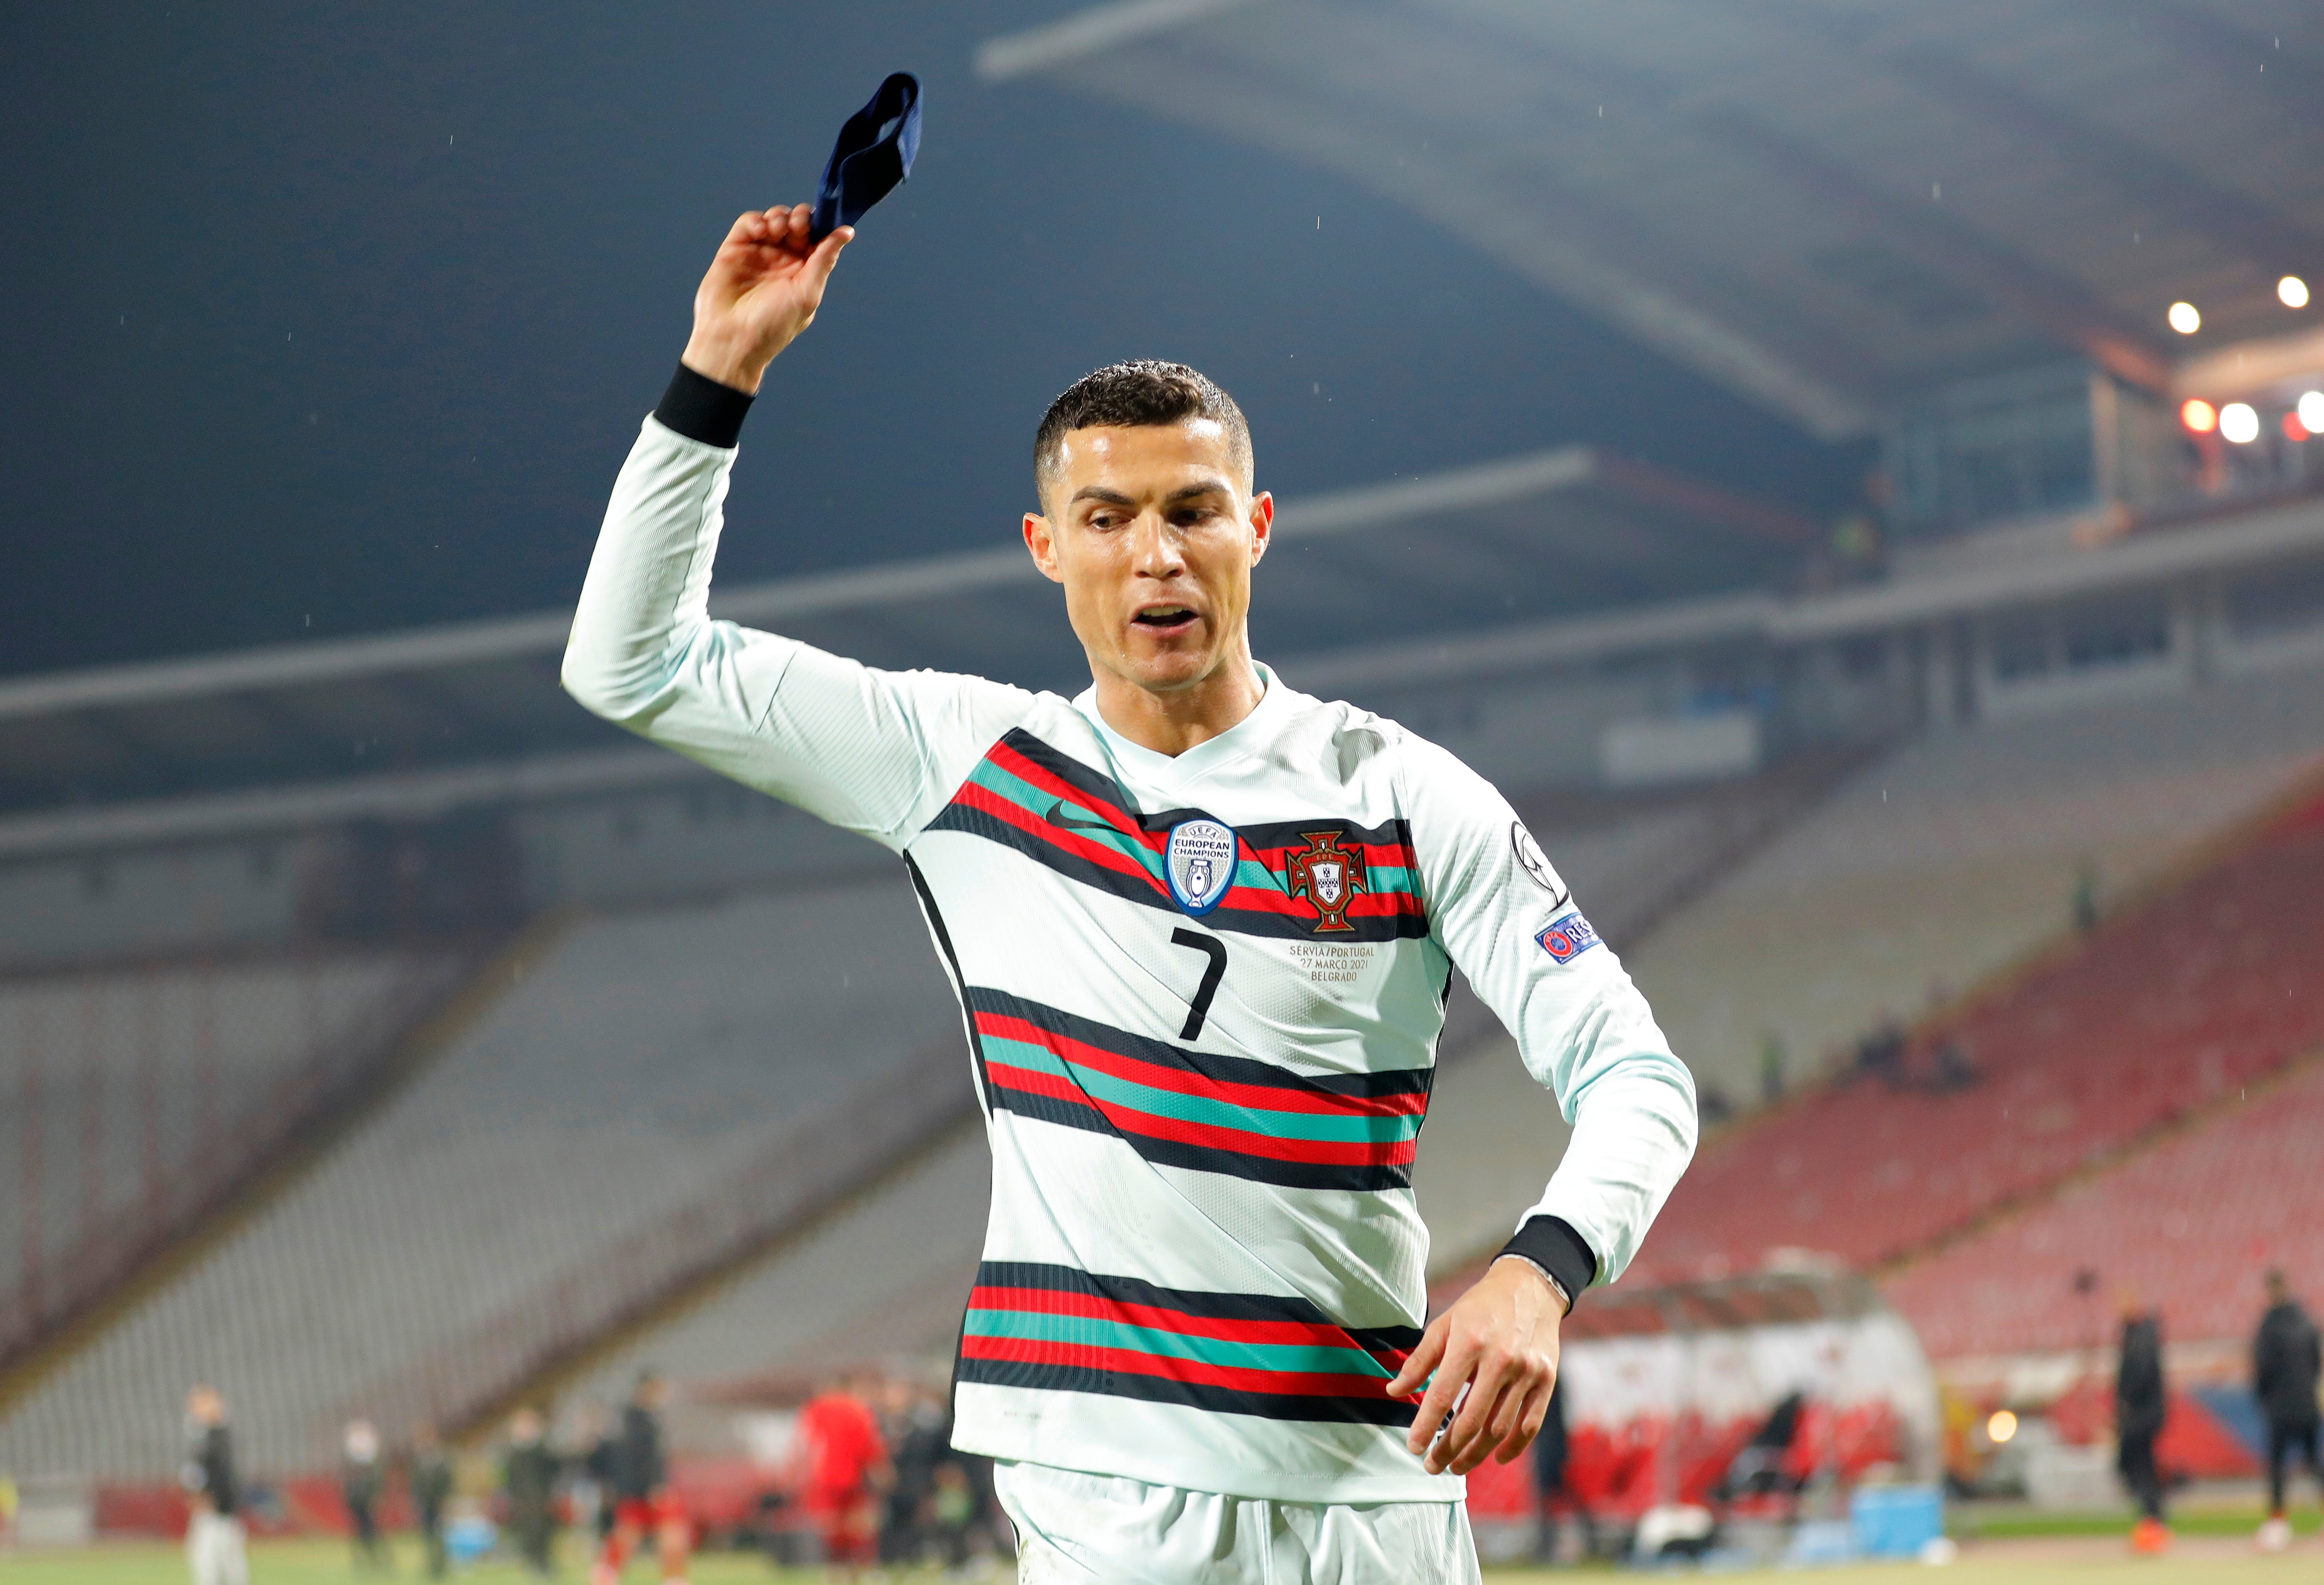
x=1169 y=770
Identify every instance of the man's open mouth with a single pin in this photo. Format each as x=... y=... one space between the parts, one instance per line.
x=1165 y=616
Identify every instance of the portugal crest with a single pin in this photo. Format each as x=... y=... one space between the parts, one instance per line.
x=1329 y=875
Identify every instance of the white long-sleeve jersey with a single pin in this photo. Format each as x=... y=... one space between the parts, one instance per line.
x=1203 y=995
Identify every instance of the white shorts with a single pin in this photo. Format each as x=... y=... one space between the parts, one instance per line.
x=1077 y=1529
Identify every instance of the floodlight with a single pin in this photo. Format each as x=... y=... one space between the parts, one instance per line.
x=2199 y=415
x=2240 y=423
x=2184 y=319
x=2311 y=410
x=2293 y=290
x=2001 y=1427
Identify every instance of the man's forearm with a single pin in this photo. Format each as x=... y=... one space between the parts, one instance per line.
x=1634 y=1134
x=648 y=588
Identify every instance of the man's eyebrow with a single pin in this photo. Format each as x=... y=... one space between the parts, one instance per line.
x=1098 y=493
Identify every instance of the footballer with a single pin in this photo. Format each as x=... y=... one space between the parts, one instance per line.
x=1202 y=927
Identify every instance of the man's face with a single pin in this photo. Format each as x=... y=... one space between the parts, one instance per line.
x=1153 y=531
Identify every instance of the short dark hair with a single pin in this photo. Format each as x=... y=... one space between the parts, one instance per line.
x=1143 y=390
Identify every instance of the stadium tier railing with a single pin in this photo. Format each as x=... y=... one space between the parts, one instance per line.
x=821 y=1159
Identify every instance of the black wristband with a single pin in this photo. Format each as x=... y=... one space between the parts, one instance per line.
x=700 y=409
x=1551 y=1243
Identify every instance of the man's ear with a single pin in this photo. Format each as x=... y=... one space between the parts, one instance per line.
x=1263 y=525
x=1043 y=544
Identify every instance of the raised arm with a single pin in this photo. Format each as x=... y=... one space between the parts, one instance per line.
x=867 y=749
x=1585 y=1033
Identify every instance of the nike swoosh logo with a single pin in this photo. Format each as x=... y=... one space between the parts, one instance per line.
x=1058 y=818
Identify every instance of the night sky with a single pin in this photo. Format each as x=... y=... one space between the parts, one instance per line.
x=325 y=320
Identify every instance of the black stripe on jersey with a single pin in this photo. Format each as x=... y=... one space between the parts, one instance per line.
x=1148 y=893
x=1163 y=1141
x=1191 y=1157
x=959 y=985
x=1105 y=790
x=1216 y=1066
x=1158 y=1389
x=1215 y=1306
x=1102 y=795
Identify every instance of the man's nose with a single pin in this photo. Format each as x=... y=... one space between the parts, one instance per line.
x=1157 y=551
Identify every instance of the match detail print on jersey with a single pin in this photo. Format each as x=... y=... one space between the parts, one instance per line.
x=1053 y=810
x=1054 y=1328
x=1199 y=1110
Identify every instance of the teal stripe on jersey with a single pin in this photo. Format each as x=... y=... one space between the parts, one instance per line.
x=1202 y=1109
x=1039 y=802
x=1095 y=1332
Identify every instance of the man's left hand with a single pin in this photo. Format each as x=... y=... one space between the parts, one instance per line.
x=1501 y=1342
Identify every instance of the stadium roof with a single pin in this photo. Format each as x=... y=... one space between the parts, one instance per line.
x=1824 y=205
x=412 y=725
x=1466 y=577
x=408 y=722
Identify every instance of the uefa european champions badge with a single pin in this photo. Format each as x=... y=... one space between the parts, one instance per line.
x=1201 y=863
x=1568 y=938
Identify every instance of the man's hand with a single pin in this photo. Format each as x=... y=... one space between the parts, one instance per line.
x=1501 y=1341
x=762 y=289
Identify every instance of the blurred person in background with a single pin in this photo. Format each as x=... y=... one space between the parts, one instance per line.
x=918 y=1434
x=1771 y=1068
x=595 y=1451
x=216 y=1544
x=432 y=1493
x=2086 y=897
x=361 y=1477
x=1549 y=1448
x=2139 y=1406
x=845 y=1460
x=2285 y=1359
x=637 y=1471
x=529 y=1472
x=1880 y=1054
x=952 y=1512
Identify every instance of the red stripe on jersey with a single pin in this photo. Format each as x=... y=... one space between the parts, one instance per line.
x=1238 y=1377
x=1187 y=1082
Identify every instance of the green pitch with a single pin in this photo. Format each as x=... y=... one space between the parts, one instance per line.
x=2199 y=1561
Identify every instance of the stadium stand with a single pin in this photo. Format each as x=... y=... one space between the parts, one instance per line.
x=2185 y=1000
x=1957 y=855
x=2189 y=1225
x=884 y=1275
x=137 y=1094
x=645 y=1057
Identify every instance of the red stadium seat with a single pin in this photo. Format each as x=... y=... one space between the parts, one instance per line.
x=2179 y=1005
